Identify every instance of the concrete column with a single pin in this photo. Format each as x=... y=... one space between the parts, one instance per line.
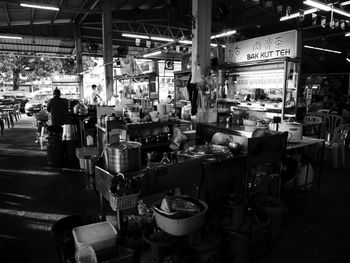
x=107 y=47
x=201 y=30
x=79 y=58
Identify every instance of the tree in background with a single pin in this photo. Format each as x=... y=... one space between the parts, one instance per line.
x=20 y=68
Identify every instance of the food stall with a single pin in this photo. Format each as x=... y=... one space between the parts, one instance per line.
x=261 y=76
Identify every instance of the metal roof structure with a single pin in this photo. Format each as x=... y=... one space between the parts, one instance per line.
x=47 y=32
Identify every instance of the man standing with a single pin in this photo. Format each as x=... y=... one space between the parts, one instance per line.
x=95 y=98
x=58 y=108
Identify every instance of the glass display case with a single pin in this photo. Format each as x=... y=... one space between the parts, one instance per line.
x=270 y=87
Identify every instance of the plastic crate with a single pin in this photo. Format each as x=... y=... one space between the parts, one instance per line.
x=98 y=235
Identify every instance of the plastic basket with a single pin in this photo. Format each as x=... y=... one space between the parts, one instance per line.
x=123 y=202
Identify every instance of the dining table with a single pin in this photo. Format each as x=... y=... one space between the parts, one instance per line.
x=312 y=150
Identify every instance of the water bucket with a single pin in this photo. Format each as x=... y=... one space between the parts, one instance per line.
x=276 y=209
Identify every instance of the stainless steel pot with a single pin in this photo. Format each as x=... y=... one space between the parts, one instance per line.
x=122 y=156
x=69 y=132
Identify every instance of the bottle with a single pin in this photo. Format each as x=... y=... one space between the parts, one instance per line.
x=141 y=207
x=165 y=160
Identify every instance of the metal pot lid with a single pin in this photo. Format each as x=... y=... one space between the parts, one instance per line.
x=123 y=145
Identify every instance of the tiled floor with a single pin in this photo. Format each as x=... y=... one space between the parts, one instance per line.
x=34 y=196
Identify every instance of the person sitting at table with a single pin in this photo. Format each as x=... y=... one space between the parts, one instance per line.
x=58 y=108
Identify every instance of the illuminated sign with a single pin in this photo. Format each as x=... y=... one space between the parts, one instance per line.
x=284 y=44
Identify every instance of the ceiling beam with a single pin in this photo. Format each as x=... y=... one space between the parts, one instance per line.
x=42 y=22
x=32 y=16
x=92 y=6
x=56 y=13
x=7 y=14
x=145 y=28
x=43 y=52
x=36 y=45
x=125 y=40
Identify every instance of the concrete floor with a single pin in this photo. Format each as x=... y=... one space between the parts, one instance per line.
x=34 y=196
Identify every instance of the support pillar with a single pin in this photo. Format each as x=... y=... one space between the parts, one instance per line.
x=79 y=58
x=107 y=47
x=201 y=30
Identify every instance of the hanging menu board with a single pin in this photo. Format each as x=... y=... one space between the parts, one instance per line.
x=284 y=44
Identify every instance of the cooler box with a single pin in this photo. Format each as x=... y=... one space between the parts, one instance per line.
x=98 y=235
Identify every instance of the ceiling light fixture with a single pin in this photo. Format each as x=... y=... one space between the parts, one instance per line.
x=326 y=7
x=166 y=39
x=347 y=59
x=323 y=49
x=186 y=42
x=297 y=14
x=228 y=33
x=39 y=6
x=135 y=36
x=345 y=3
x=318 y=5
x=347 y=34
x=11 y=37
x=152 y=54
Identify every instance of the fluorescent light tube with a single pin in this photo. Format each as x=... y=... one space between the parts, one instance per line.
x=297 y=14
x=260 y=72
x=152 y=54
x=347 y=34
x=135 y=36
x=11 y=37
x=322 y=49
x=347 y=59
x=187 y=42
x=345 y=3
x=166 y=39
x=142 y=60
x=318 y=5
x=39 y=6
x=228 y=33
x=341 y=12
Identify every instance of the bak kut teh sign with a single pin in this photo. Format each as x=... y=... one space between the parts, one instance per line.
x=261 y=48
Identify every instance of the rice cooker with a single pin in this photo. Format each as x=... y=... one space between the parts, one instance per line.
x=294 y=129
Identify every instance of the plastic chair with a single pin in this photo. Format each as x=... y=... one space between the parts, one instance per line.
x=332 y=121
x=6 y=116
x=337 y=144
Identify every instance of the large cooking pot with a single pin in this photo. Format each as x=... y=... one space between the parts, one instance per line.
x=294 y=129
x=123 y=156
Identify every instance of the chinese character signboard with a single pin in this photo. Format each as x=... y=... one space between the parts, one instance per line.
x=278 y=45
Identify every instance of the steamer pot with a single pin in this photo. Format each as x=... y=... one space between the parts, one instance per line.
x=122 y=156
